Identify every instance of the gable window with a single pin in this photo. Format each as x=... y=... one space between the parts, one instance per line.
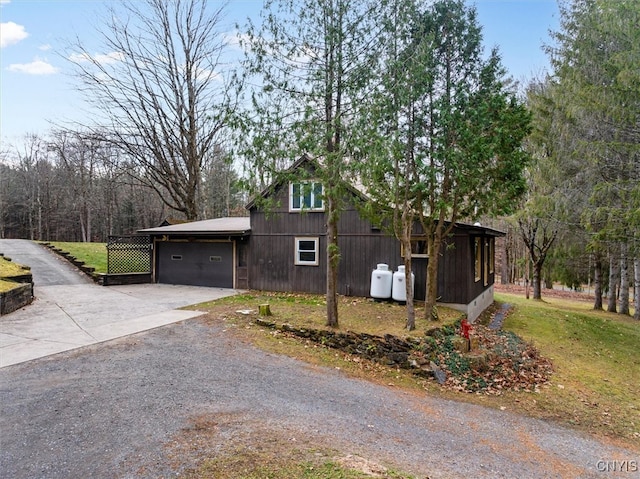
x=306 y=251
x=306 y=196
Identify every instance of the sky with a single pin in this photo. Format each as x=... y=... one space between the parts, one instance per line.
x=36 y=87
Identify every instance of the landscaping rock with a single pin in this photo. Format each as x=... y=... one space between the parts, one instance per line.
x=499 y=360
x=438 y=373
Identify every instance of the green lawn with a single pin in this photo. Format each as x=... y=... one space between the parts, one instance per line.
x=8 y=269
x=596 y=383
x=91 y=254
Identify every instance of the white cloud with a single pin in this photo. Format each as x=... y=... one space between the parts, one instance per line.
x=11 y=33
x=235 y=39
x=36 y=67
x=103 y=59
x=45 y=48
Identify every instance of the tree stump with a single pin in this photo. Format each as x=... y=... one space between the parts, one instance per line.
x=264 y=310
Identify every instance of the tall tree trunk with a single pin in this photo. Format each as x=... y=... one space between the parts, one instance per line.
x=526 y=277
x=614 y=279
x=411 y=311
x=537 y=280
x=431 y=294
x=89 y=225
x=83 y=228
x=333 y=260
x=505 y=263
x=636 y=285
x=407 y=228
x=597 y=282
x=624 y=281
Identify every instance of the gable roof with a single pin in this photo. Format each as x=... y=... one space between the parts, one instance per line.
x=356 y=189
x=315 y=163
x=235 y=226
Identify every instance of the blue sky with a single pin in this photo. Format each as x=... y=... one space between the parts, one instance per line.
x=35 y=86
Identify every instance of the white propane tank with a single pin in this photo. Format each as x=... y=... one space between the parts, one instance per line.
x=399 y=291
x=381 y=280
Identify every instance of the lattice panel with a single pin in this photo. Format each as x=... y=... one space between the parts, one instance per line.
x=129 y=254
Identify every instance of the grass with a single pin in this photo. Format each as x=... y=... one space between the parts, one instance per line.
x=596 y=383
x=248 y=448
x=356 y=314
x=244 y=465
x=91 y=254
x=7 y=270
x=7 y=285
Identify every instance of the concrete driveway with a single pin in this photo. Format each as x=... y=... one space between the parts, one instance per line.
x=70 y=311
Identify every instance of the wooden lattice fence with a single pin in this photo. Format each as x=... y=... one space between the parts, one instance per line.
x=129 y=254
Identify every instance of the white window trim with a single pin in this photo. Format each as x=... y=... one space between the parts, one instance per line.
x=300 y=262
x=302 y=208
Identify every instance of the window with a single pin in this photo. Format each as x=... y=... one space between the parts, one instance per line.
x=418 y=247
x=307 y=251
x=478 y=258
x=486 y=261
x=306 y=196
x=492 y=255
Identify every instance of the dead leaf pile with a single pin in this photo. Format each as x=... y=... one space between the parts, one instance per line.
x=502 y=361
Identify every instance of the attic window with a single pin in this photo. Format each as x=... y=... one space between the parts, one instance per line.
x=306 y=196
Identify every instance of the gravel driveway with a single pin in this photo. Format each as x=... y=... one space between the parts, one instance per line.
x=112 y=410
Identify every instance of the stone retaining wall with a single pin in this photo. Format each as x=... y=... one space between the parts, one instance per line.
x=123 y=278
x=414 y=354
x=19 y=296
x=103 y=279
x=16 y=298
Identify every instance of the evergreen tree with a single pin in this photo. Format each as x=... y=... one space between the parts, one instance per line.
x=312 y=61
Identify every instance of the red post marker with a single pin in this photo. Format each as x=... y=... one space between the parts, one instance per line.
x=465 y=328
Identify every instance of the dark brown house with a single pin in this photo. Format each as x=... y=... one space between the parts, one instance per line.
x=284 y=249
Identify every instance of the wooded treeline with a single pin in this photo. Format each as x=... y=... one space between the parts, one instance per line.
x=580 y=220
x=74 y=187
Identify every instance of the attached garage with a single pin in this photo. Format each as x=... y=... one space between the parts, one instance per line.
x=202 y=253
x=197 y=263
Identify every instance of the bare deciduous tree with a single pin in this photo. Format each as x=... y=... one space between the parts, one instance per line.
x=160 y=91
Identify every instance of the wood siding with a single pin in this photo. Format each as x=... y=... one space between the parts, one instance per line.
x=362 y=247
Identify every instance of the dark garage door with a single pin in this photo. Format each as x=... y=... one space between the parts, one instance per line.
x=198 y=264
